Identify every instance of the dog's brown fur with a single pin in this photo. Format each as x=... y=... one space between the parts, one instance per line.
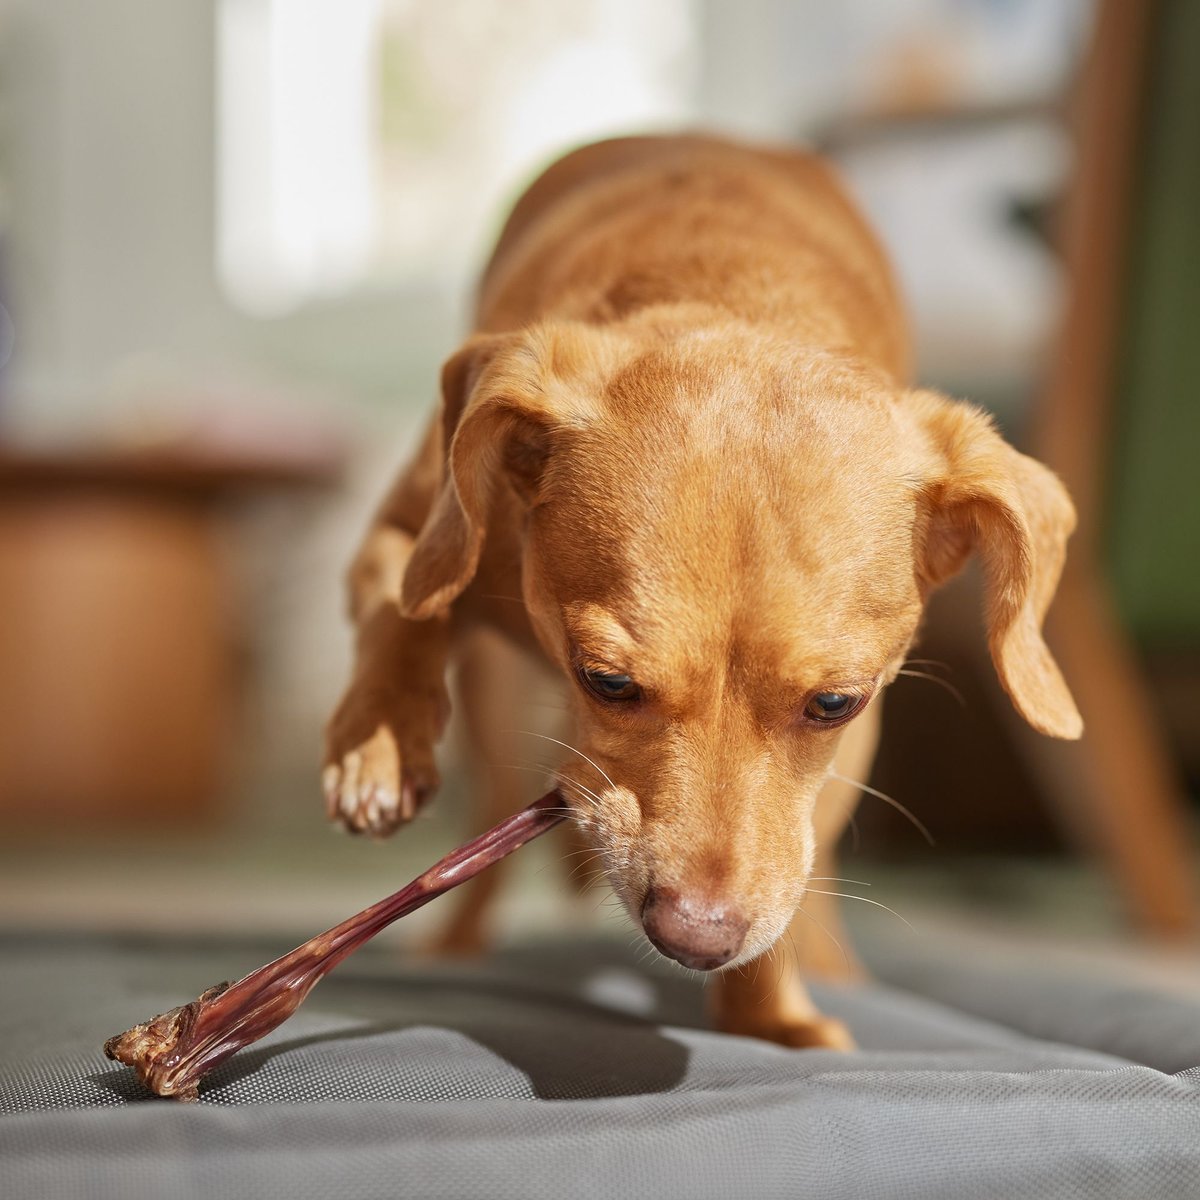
x=682 y=439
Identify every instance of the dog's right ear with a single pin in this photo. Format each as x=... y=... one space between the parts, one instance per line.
x=495 y=424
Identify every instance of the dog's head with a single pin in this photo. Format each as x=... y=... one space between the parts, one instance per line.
x=727 y=546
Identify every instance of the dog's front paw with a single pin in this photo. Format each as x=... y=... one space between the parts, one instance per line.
x=376 y=785
x=819 y=1033
x=800 y=1033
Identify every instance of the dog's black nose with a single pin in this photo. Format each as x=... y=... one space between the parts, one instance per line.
x=700 y=933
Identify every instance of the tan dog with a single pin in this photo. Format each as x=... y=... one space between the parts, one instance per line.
x=680 y=460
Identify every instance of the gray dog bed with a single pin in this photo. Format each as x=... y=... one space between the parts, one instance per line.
x=569 y=1071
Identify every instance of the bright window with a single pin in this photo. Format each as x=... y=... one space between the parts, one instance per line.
x=363 y=142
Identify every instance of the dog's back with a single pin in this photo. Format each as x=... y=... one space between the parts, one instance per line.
x=766 y=234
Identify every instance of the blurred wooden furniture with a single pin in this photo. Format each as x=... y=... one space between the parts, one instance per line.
x=119 y=634
x=1118 y=785
x=1117 y=790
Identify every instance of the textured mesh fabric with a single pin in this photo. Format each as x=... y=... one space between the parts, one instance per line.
x=1109 y=1014
x=563 y=1071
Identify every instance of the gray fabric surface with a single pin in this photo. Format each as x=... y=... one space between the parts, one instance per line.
x=562 y=1071
x=1061 y=1005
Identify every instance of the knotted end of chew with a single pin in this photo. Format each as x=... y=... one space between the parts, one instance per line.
x=156 y=1048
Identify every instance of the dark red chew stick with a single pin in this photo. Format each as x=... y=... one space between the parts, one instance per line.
x=174 y=1051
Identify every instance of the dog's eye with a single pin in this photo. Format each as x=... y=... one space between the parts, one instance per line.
x=831 y=707
x=609 y=685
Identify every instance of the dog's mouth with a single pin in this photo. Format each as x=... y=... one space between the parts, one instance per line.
x=688 y=922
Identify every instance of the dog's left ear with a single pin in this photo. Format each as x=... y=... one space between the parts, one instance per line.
x=496 y=427
x=980 y=495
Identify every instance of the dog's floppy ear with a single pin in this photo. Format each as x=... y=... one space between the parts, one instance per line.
x=494 y=423
x=982 y=496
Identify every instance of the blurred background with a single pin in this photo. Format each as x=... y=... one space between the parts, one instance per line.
x=237 y=239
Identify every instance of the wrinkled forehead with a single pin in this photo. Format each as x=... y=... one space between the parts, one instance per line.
x=721 y=471
x=697 y=545
x=742 y=427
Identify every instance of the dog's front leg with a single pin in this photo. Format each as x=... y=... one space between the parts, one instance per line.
x=767 y=998
x=379 y=764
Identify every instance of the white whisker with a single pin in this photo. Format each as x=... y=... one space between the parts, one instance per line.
x=565 y=746
x=576 y=853
x=585 y=865
x=887 y=800
x=546 y=774
x=841 y=948
x=945 y=683
x=851 y=896
x=927 y=662
x=583 y=794
x=582 y=787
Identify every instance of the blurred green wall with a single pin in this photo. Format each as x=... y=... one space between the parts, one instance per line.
x=1155 y=496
